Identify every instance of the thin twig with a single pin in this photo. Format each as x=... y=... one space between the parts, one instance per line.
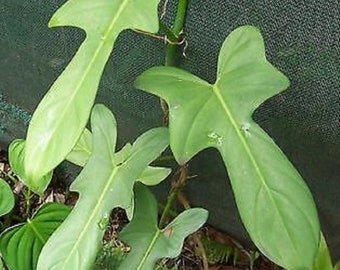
x=164 y=8
x=149 y=34
x=196 y=236
x=201 y=250
x=28 y=196
x=177 y=185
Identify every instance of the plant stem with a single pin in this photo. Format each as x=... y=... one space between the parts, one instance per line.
x=172 y=213
x=163 y=28
x=175 y=38
x=27 y=195
x=171 y=50
x=201 y=250
x=176 y=189
x=196 y=235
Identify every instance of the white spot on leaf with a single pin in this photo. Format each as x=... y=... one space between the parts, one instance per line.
x=215 y=138
x=246 y=129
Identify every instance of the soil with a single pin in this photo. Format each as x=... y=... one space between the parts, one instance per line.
x=222 y=252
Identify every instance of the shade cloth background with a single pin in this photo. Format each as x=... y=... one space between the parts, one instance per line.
x=302 y=40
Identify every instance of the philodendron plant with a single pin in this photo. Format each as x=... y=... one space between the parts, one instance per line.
x=275 y=205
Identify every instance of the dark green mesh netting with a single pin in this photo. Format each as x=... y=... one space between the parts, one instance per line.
x=302 y=40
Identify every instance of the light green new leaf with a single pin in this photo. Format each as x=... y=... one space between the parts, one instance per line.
x=6 y=198
x=269 y=192
x=61 y=116
x=102 y=185
x=149 y=243
x=20 y=245
x=323 y=259
x=16 y=154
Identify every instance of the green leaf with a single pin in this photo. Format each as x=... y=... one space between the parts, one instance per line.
x=103 y=184
x=6 y=198
x=82 y=151
x=337 y=266
x=152 y=176
x=61 y=116
x=20 y=245
x=16 y=154
x=149 y=243
x=269 y=192
x=323 y=259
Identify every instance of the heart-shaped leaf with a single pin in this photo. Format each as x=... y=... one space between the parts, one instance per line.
x=6 y=198
x=149 y=243
x=16 y=159
x=103 y=184
x=20 y=245
x=63 y=113
x=269 y=192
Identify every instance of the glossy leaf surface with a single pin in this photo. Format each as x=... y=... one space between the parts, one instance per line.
x=20 y=245
x=269 y=192
x=102 y=185
x=61 y=116
x=149 y=243
x=16 y=159
x=6 y=198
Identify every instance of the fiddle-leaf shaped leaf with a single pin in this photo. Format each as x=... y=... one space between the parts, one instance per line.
x=6 y=198
x=20 y=245
x=268 y=190
x=102 y=185
x=62 y=114
x=149 y=243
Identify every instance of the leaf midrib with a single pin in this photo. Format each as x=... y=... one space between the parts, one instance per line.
x=35 y=230
x=93 y=214
x=100 y=46
x=149 y=249
x=87 y=70
x=216 y=91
